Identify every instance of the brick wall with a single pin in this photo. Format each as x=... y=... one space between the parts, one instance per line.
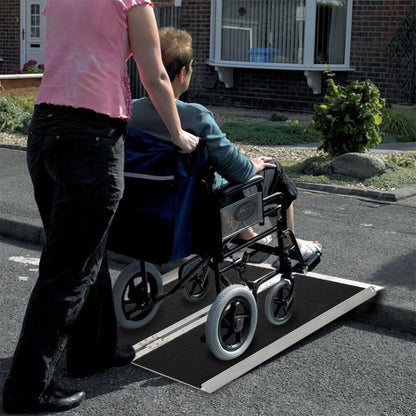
x=10 y=35
x=374 y=24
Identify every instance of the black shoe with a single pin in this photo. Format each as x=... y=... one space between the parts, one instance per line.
x=54 y=399
x=123 y=356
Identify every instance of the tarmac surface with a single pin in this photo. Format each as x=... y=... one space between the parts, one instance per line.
x=396 y=307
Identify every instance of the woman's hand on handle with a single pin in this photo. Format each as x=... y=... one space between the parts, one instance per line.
x=187 y=142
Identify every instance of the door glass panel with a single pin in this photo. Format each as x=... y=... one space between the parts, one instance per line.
x=35 y=20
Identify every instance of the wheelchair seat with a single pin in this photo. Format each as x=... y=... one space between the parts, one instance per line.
x=169 y=209
x=155 y=216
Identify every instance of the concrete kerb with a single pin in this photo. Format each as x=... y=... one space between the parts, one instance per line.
x=31 y=230
x=386 y=196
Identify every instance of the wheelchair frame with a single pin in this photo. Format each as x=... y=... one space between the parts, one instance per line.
x=232 y=318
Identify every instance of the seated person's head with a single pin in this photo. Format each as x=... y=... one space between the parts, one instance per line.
x=177 y=55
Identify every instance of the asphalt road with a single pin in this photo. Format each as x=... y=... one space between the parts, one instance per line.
x=362 y=364
x=346 y=368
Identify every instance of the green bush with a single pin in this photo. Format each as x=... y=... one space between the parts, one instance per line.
x=350 y=118
x=278 y=117
x=401 y=123
x=14 y=117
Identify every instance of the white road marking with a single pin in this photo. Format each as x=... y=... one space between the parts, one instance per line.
x=25 y=260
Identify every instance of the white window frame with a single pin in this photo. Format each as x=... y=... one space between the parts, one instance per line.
x=311 y=70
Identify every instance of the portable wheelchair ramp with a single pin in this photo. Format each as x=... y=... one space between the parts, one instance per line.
x=172 y=344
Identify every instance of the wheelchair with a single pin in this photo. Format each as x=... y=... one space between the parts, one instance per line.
x=216 y=217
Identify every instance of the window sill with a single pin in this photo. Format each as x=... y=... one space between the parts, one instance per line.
x=313 y=74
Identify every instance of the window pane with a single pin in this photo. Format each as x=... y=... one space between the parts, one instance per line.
x=35 y=20
x=331 y=21
x=263 y=30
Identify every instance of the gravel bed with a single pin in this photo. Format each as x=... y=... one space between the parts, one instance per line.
x=13 y=139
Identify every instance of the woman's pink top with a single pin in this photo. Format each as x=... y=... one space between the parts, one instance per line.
x=86 y=49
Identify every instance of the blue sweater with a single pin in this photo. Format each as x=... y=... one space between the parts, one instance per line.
x=227 y=160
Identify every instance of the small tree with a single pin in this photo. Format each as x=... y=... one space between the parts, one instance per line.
x=350 y=118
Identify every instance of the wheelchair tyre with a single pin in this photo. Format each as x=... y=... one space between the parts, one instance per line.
x=130 y=295
x=196 y=288
x=280 y=303
x=231 y=322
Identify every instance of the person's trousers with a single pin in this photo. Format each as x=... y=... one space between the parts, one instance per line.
x=75 y=159
x=276 y=180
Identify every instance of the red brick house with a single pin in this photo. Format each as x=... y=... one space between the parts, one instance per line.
x=268 y=54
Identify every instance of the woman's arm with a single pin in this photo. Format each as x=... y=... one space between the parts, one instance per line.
x=144 y=42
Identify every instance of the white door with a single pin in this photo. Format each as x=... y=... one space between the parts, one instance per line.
x=32 y=31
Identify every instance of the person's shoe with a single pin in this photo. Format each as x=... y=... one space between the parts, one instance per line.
x=123 y=356
x=54 y=399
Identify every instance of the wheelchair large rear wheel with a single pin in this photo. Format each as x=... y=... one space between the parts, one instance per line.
x=197 y=287
x=231 y=322
x=131 y=295
x=280 y=303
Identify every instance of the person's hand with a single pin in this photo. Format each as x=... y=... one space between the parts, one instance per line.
x=261 y=163
x=187 y=142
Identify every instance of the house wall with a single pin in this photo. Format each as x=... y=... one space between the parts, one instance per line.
x=375 y=22
x=9 y=36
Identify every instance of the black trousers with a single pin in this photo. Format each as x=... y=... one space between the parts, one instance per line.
x=276 y=180
x=75 y=158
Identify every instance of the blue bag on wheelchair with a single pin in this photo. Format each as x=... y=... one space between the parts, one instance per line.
x=154 y=220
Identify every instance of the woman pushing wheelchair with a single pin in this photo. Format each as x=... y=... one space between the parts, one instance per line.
x=230 y=165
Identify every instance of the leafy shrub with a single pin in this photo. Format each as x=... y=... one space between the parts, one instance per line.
x=350 y=118
x=278 y=117
x=401 y=123
x=12 y=117
x=402 y=160
x=24 y=103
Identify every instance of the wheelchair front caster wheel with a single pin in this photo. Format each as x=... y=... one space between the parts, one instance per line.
x=133 y=298
x=197 y=287
x=280 y=303
x=231 y=322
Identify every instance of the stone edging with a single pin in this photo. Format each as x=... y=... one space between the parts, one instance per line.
x=386 y=196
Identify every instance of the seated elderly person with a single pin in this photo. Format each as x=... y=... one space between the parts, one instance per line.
x=230 y=164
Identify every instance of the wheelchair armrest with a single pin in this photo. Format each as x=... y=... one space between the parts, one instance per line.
x=229 y=190
x=277 y=197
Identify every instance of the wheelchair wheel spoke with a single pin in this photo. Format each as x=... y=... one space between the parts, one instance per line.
x=279 y=305
x=196 y=288
x=234 y=323
x=231 y=322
